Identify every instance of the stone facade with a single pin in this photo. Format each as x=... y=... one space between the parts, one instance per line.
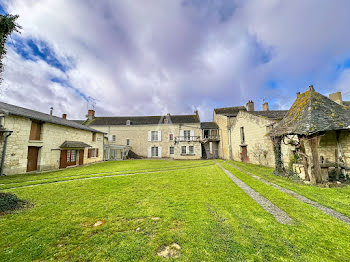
x=141 y=142
x=224 y=123
x=52 y=136
x=259 y=146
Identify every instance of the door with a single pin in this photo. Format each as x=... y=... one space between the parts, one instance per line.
x=244 y=154
x=81 y=157
x=63 y=159
x=32 y=163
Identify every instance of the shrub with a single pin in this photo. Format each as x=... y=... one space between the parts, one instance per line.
x=10 y=202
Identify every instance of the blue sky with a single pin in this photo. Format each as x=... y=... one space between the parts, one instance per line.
x=157 y=57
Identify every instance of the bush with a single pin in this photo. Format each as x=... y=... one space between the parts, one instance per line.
x=10 y=202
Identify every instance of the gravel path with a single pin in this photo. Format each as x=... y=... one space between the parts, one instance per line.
x=112 y=175
x=326 y=210
x=266 y=204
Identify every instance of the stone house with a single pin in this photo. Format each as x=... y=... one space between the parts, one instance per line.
x=224 y=118
x=34 y=141
x=249 y=141
x=169 y=136
x=322 y=128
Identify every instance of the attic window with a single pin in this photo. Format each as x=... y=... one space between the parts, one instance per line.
x=166 y=120
x=128 y=122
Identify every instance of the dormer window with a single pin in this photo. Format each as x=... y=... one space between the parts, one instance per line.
x=128 y=122
x=166 y=120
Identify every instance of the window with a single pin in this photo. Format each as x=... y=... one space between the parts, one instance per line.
x=128 y=142
x=187 y=134
x=191 y=150
x=35 y=131
x=154 y=151
x=166 y=120
x=171 y=150
x=113 y=138
x=93 y=137
x=71 y=156
x=128 y=122
x=242 y=135
x=93 y=152
x=171 y=137
x=183 y=150
x=154 y=135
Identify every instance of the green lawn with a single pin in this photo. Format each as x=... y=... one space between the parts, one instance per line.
x=198 y=208
x=337 y=198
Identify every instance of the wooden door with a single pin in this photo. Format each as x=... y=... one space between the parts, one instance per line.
x=32 y=163
x=81 y=157
x=244 y=154
x=63 y=159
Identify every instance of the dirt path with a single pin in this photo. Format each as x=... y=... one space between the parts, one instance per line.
x=266 y=204
x=326 y=210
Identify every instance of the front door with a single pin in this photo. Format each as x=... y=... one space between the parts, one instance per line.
x=63 y=159
x=81 y=157
x=32 y=163
x=244 y=154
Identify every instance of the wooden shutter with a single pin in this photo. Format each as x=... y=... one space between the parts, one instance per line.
x=89 y=153
x=96 y=152
x=63 y=159
x=149 y=151
x=35 y=131
x=149 y=136
x=182 y=134
x=159 y=135
x=192 y=134
x=160 y=152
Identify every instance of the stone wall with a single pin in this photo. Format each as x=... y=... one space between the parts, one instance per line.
x=52 y=136
x=224 y=145
x=138 y=137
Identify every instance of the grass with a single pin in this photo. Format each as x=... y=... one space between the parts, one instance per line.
x=199 y=208
x=337 y=198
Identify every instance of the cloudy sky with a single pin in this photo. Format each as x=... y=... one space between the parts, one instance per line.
x=152 y=57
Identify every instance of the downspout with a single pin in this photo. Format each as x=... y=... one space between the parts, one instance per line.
x=3 y=153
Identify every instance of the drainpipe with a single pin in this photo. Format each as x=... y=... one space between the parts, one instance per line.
x=3 y=153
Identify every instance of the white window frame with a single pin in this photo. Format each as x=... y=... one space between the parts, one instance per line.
x=114 y=138
x=187 y=135
x=154 y=136
x=154 y=149
x=171 y=137
x=191 y=150
x=171 y=150
x=182 y=151
x=128 y=142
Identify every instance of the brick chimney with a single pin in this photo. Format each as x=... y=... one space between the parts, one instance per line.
x=250 y=105
x=91 y=114
x=196 y=113
x=64 y=116
x=336 y=97
x=266 y=106
x=51 y=111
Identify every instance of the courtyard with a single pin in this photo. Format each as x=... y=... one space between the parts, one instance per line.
x=152 y=210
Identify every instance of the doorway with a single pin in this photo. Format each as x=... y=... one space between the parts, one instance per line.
x=244 y=154
x=33 y=154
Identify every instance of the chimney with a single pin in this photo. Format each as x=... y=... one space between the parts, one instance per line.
x=298 y=94
x=51 y=111
x=266 y=106
x=311 y=88
x=336 y=97
x=91 y=114
x=250 y=106
x=196 y=113
x=64 y=116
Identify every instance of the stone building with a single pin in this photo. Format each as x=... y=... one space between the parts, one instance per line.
x=322 y=127
x=224 y=118
x=249 y=141
x=169 y=136
x=34 y=141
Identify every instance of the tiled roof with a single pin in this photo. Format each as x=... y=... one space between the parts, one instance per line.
x=312 y=113
x=229 y=111
x=273 y=114
x=35 y=115
x=209 y=125
x=79 y=121
x=143 y=120
x=74 y=144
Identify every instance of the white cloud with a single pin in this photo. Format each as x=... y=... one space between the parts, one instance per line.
x=173 y=56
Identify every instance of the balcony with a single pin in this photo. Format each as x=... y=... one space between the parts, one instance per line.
x=211 y=138
x=187 y=138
